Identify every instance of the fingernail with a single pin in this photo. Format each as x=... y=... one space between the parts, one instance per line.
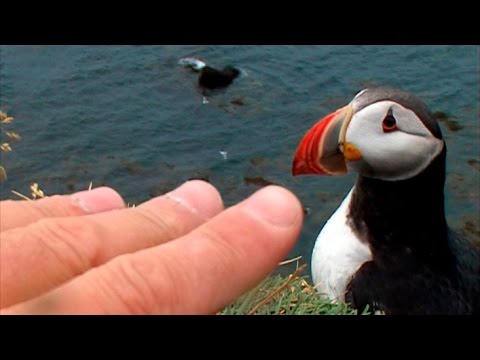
x=275 y=205
x=198 y=196
x=98 y=200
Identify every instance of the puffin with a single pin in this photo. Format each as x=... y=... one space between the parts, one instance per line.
x=388 y=248
x=209 y=77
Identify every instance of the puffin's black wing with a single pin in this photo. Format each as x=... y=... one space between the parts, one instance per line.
x=413 y=288
x=211 y=78
x=468 y=268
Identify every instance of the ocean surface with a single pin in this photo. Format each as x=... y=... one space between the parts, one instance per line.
x=132 y=118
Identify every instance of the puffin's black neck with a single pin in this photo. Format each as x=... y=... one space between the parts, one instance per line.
x=404 y=218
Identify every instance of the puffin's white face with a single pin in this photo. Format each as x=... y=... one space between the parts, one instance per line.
x=374 y=135
x=393 y=142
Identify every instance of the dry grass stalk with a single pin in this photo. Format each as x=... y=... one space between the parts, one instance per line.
x=274 y=293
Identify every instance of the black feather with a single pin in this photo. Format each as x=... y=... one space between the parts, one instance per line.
x=418 y=266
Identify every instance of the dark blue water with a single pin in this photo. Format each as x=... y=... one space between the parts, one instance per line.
x=130 y=117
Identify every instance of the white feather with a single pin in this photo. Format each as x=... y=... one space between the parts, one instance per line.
x=337 y=254
x=193 y=63
x=397 y=155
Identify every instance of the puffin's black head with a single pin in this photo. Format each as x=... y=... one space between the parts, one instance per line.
x=382 y=133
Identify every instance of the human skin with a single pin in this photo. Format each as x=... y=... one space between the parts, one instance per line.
x=180 y=253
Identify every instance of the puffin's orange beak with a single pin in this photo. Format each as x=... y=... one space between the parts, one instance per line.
x=323 y=149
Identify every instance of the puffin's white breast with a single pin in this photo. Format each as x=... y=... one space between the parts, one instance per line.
x=338 y=253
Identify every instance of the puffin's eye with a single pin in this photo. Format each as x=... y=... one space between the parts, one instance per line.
x=389 y=124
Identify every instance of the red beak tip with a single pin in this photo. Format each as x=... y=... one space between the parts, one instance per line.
x=298 y=167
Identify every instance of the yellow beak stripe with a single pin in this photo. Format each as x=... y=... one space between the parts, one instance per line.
x=351 y=152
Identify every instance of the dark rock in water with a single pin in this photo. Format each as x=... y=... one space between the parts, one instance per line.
x=307 y=210
x=475 y=163
x=132 y=167
x=259 y=181
x=257 y=160
x=238 y=102
x=471 y=230
x=452 y=125
x=211 y=78
x=441 y=116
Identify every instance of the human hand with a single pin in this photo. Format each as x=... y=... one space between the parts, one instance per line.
x=178 y=253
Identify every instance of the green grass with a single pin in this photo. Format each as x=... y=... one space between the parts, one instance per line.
x=280 y=295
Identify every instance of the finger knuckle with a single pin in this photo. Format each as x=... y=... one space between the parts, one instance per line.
x=131 y=289
x=165 y=224
x=73 y=243
x=218 y=243
x=223 y=259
